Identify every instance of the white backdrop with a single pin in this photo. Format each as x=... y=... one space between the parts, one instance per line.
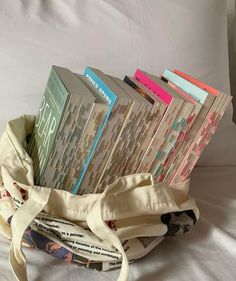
x=232 y=50
x=118 y=37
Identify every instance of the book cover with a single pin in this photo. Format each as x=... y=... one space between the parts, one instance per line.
x=48 y=121
x=197 y=82
x=191 y=89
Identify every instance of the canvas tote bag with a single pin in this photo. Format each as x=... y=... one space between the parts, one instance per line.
x=101 y=231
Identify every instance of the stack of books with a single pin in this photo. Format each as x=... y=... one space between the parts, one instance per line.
x=93 y=128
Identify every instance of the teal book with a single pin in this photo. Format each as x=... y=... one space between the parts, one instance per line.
x=48 y=120
x=197 y=93
x=107 y=148
x=104 y=91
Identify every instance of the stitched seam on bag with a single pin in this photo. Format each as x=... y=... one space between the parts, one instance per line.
x=16 y=151
x=148 y=208
x=138 y=207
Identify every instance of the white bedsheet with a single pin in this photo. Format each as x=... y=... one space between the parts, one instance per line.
x=208 y=252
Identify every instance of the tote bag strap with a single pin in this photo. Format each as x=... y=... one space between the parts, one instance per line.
x=39 y=198
x=37 y=201
x=20 y=222
x=98 y=226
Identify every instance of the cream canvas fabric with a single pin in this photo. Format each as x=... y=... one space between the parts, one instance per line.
x=101 y=231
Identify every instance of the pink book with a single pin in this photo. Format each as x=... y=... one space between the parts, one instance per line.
x=154 y=87
x=203 y=138
x=174 y=105
x=179 y=110
x=184 y=132
x=206 y=131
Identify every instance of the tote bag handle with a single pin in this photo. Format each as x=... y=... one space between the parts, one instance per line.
x=37 y=201
x=20 y=222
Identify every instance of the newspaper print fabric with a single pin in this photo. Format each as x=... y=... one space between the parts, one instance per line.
x=72 y=243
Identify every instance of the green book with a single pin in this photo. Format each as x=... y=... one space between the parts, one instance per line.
x=64 y=129
x=81 y=124
x=48 y=120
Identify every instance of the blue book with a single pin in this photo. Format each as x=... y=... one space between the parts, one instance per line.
x=107 y=156
x=194 y=91
x=105 y=92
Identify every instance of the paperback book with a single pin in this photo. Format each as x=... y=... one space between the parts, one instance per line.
x=111 y=135
x=158 y=109
x=202 y=130
x=169 y=121
x=136 y=123
x=94 y=128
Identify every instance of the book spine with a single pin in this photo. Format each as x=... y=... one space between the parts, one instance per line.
x=111 y=99
x=47 y=123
